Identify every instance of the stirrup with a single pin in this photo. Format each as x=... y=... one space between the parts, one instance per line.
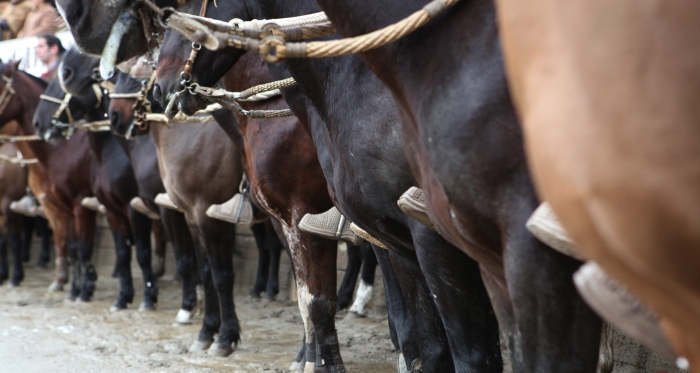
x=371 y=239
x=330 y=224
x=163 y=199
x=138 y=205
x=613 y=302
x=93 y=204
x=544 y=225
x=412 y=203
x=237 y=210
x=24 y=206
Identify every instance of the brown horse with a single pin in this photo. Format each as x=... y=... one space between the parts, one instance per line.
x=194 y=183
x=66 y=164
x=13 y=183
x=608 y=94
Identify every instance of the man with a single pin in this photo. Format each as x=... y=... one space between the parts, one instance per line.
x=43 y=19
x=49 y=51
x=13 y=16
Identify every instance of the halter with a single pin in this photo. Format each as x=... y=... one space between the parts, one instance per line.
x=142 y=107
x=7 y=92
x=62 y=106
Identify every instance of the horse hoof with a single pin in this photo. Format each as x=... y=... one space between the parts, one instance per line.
x=55 y=287
x=144 y=307
x=296 y=367
x=115 y=308
x=184 y=317
x=352 y=315
x=200 y=346
x=220 y=350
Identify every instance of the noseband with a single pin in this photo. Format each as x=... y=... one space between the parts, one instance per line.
x=62 y=106
x=7 y=92
x=142 y=106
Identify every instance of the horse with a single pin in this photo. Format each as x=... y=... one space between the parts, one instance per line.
x=359 y=256
x=214 y=239
x=60 y=182
x=614 y=161
x=13 y=182
x=349 y=151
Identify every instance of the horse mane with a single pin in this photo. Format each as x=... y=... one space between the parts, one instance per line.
x=41 y=82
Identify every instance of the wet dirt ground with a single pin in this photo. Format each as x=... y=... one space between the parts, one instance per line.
x=42 y=332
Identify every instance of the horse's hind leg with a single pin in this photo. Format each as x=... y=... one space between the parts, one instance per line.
x=274 y=246
x=28 y=225
x=185 y=259
x=42 y=228
x=220 y=239
x=141 y=228
x=212 y=314
x=14 y=238
x=4 y=265
x=123 y=267
x=314 y=261
x=347 y=286
x=161 y=241
x=403 y=335
x=85 y=229
x=435 y=355
x=461 y=298
x=260 y=234
x=553 y=329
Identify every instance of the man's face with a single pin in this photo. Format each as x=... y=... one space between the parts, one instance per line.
x=43 y=52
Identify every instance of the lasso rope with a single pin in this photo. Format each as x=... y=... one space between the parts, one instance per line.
x=273 y=49
x=17 y=160
x=10 y=138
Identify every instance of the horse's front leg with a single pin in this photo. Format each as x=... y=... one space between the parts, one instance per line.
x=314 y=260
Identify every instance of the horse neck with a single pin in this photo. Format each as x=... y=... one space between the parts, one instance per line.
x=40 y=150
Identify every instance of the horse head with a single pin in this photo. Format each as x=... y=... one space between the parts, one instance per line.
x=123 y=108
x=112 y=29
x=56 y=112
x=208 y=67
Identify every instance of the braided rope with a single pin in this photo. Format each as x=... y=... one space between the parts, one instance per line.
x=267 y=87
x=97 y=126
x=10 y=138
x=274 y=49
x=20 y=161
x=179 y=118
x=262 y=96
x=259 y=24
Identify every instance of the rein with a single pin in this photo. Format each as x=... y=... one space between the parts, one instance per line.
x=17 y=160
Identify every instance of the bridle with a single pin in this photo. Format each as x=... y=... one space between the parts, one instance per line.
x=63 y=106
x=142 y=106
x=7 y=92
x=186 y=74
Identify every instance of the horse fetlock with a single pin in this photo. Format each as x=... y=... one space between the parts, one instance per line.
x=184 y=317
x=221 y=349
x=200 y=345
x=328 y=356
x=90 y=273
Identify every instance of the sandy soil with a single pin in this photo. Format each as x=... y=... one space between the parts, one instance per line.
x=42 y=332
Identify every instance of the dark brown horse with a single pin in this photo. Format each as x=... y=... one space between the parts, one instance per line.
x=112 y=180
x=66 y=164
x=464 y=143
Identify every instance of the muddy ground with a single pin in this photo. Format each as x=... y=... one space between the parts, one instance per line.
x=42 y=332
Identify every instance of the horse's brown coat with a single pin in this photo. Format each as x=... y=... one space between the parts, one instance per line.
x=608 y=94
